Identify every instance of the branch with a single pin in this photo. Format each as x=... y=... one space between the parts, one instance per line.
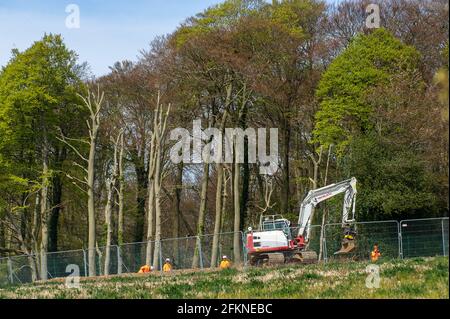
x=73 y=148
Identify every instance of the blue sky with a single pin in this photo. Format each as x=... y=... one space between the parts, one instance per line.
x=109 y=31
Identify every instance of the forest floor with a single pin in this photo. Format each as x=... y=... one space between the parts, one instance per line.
x=413 y=278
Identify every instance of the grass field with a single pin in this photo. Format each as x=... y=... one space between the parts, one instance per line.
x=413 y=278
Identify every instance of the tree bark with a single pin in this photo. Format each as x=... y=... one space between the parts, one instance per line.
x=177 y=215
x=110 y=185
x=142 y=185
x=150 y=222
x=56 y=200
x=151 y=196
x=201 y=213
x=157 y=183
x=160 y=132
x=285 y=195
x=237 y=211
x=325 y=213
x=219 y=187
x=44 y=211
x=54 y=216
x=218 y=219
x=120 y=195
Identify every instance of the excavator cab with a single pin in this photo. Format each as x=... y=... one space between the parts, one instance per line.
x=276 y=222
x=348 y=243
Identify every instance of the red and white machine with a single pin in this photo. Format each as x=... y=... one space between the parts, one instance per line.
x=277 y=242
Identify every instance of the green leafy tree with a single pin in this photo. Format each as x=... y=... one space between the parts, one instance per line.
x=38 y=100
x=369 y=61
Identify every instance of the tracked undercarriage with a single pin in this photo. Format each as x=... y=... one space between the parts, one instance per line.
x=281 y=258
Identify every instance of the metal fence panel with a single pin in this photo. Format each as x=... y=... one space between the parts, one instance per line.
x=424 y=237
x=24 y=268
x=225 y=247
x=4 y=272
x=445 y=235
x=180 y=251
x=132 y=256
x=409 y=238
x=57 y=263
x=385 y=234
x=100 y=260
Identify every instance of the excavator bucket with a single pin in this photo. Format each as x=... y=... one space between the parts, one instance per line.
x=348 y=246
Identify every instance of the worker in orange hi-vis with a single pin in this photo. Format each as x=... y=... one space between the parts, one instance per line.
x=376 y=254
x=167 y=266
x=225 y=263
x=145 y=269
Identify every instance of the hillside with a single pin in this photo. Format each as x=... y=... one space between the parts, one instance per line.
x=414 y=278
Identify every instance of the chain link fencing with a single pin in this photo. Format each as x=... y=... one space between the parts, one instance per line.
x=5 y=279
x=405 y=239
x=57 y=263
x=424 y=237
x=385 y=234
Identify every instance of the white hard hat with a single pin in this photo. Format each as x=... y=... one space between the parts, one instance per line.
x=168 y=259
x=224 y=257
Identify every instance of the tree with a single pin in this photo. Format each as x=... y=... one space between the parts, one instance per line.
x=111 y=190
x=93 y=102
x=37 y=99
x=370 y=60
x=160 y=132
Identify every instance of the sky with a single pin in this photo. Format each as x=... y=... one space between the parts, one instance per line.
x=110 y=30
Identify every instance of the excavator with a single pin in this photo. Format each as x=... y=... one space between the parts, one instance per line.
x=276 y=242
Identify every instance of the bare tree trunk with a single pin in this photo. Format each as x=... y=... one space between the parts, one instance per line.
x=237 y=210
x=91 y=210
x=176 y=221
x=236 y=188
x=224 y=205
x=157 y=210
x=108 y=223
x=217 y=222
x=325 y=213
x=94 y=126
x=120 y=226
x=151 y=198
x=150 y=223
x=314 y=180
x=160 y=132
x=121 y=193
x=44 y=211
x=35 y=235
x=110 y=185
x=285 y=194
x=219 y=187
x=202 y=212
x=93 y=102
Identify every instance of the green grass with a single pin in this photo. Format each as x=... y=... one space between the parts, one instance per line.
x=413 y=278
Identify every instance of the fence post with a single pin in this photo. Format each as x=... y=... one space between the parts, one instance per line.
x=119 y=261
x=400 y=240
x=443 y=237
x=324 y=244
x=244 y=248
x=160 y=256
x=200 y=254
x=10 y=271
x=85 y=263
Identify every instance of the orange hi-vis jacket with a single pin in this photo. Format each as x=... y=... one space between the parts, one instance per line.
x=145 y=269
x=167 y=267
x=225 y=264
x=375 y=255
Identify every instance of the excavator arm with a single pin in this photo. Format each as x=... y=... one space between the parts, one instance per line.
x=317 y=196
